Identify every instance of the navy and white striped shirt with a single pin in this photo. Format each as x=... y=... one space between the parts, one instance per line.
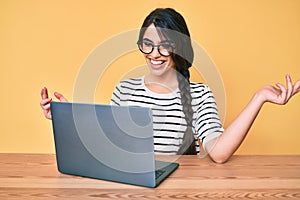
x=169 y=124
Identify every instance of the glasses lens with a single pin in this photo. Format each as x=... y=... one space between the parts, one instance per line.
x=146 y=47
x=165 y=49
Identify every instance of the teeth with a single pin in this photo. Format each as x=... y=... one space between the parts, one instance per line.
x=156 y=62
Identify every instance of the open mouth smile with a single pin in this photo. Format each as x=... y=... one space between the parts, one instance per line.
x=156 y=62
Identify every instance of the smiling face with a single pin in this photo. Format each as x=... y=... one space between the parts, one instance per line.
x=158 y=64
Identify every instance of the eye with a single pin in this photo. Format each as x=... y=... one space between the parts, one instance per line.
x=147 y=44
x=166 y=46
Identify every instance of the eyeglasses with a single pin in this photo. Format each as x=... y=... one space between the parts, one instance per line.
x=164 y=49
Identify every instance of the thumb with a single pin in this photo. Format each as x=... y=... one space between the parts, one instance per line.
x=60 y=97
x=296 y=88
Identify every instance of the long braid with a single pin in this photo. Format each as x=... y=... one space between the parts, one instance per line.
x=171 y=25
x=188 y=143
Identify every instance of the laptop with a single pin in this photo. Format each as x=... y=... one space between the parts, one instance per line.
x=113 y=143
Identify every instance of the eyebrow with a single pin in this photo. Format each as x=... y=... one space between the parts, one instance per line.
x=163 y=41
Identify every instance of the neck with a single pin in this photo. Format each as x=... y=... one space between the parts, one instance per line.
x=162 y=84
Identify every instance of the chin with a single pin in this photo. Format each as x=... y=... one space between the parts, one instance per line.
x=160 y=72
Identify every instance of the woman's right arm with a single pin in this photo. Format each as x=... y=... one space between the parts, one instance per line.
x=45 y=102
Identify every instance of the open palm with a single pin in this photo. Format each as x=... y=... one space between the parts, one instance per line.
x=280 y=94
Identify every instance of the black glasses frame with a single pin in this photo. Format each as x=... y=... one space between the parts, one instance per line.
x=140 y=43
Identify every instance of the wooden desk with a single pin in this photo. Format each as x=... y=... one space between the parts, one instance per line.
x=34 y=176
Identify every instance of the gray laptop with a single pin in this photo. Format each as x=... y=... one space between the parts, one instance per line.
x=113 y=143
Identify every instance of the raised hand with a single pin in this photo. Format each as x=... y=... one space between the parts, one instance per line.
x=45 y=102
x=237 y=130
x=280 y=94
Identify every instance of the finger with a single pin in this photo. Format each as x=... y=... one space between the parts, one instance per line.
x=47 y=114
x=44 y=93
x=296 y=88
x=276 y=90
x=289 y=87
x=45 y=102
x=60 y=97
x=282 y=94
x=46 y=107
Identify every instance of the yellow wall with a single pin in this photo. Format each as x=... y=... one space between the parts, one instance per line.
x=44 y=43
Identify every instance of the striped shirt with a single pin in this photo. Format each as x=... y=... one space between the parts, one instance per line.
x=169 y=123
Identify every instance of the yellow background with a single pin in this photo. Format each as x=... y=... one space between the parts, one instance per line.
x=44 y=43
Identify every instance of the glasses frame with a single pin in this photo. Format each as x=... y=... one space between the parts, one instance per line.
x=139 y=43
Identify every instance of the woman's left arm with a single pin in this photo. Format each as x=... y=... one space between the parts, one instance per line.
x=226 y=144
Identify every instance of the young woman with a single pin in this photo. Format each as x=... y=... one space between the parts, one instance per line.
x=183 y=111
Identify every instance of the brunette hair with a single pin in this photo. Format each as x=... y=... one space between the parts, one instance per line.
x=171 y=25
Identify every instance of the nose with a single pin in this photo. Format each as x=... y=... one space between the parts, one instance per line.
x=155 y=53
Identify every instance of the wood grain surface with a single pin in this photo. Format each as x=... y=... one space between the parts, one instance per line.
x=35 y=176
